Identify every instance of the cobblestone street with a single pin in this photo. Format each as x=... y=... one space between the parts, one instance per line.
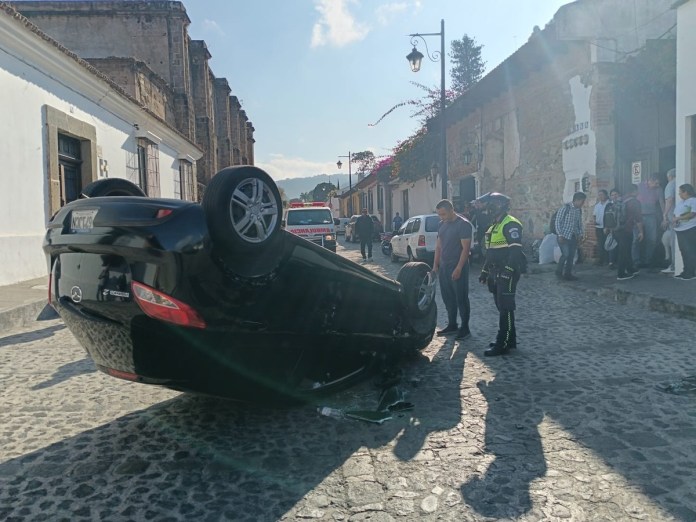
x=571 y=426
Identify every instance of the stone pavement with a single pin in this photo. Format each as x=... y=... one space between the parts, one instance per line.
x=571 y=426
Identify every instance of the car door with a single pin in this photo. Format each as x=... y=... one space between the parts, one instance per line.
x=403 y=238
x=412 y=238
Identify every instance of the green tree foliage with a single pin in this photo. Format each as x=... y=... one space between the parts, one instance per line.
x=322 y=190
x=306 y=196
x=467 y=64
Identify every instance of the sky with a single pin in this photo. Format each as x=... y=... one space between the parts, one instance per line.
x=313 y=74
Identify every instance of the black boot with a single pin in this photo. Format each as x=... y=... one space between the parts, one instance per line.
x=511 y=346
x=496 y=350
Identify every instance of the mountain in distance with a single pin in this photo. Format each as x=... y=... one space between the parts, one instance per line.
x=293 y=187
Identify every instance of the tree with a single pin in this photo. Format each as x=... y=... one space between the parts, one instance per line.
x=365 y=161
x=306 y=196
x=322 y=190
x=467 y=65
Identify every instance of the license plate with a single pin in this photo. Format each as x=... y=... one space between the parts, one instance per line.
x=82 y=220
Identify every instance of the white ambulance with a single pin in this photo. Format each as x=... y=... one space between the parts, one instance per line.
x=313 y=222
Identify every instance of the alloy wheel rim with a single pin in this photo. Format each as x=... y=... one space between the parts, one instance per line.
x=253 y=210
x=426 y=292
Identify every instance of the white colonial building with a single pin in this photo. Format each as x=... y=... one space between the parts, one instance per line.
x=64 y=124
x=686 y=97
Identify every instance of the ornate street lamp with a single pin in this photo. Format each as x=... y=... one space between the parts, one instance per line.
x=339 y=164
x=414 y=59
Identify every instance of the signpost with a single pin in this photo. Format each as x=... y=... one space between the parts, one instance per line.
x=636 y=172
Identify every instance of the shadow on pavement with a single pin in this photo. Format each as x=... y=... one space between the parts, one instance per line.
x=66 y=372
x=28 y=337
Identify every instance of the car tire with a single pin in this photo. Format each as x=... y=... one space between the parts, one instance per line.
x=112 y=187
x=243 y=210
x=418 y=296
x=410 y=257
x=394 y=257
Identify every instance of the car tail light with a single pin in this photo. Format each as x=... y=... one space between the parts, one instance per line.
x=163 y=212
x=421 y=241
x=161 y=306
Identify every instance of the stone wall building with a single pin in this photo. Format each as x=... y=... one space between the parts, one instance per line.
x=554 y=118
x=138 y=44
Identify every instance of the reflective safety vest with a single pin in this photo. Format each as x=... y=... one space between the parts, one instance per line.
x=494 y=235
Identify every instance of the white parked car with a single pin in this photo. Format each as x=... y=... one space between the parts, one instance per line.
x=416 y=239
x=341 y=225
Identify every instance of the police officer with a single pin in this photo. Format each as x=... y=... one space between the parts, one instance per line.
x=504 y=263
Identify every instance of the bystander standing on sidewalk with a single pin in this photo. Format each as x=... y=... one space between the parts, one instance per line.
x=652 y=206
x=614 y=198
x=570 y=234
x=598 y=220
x=625 y=234
x=669 y=237
x=685 y=227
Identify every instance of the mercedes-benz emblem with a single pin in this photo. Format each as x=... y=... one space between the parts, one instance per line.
x=76 y=294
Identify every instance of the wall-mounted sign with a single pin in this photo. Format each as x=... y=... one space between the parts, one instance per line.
x=636 y=172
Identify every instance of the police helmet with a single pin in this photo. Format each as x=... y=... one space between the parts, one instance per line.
x=495 y=202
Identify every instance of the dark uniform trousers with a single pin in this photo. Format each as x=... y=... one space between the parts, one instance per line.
x=503 y=285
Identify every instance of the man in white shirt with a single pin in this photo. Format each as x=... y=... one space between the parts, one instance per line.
x=598 y=219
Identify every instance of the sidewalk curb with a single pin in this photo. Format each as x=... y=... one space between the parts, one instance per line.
x=22 y=315
x=649 y=302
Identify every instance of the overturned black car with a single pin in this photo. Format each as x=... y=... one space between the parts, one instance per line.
x=216 y=298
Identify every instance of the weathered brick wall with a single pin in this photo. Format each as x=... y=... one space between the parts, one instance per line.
x=243 y=145
x=235 y=107
x=521 y=132
x=250 y=142
x=202 y=94
x=222 y=122
x=141 y=83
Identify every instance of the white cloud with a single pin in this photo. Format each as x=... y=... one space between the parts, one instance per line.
x=281 y=167
x=385 y=12
x=211 y=26
x=336 y=25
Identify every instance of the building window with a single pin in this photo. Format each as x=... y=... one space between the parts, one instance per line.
x=370 y=202
x=380 y=198
x=72 y=157
x=69 y=168
x=148 y=167
x=184 y=188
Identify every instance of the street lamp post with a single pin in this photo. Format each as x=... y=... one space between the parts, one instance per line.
x=414 y=58
x=339 y=164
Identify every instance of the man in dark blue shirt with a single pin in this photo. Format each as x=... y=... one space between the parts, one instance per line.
x=452 y=266
x=365 y=228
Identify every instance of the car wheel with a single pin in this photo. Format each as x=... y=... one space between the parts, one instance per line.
x=394 y=257
x=111 y=187
x=243 y=208
x=419 y=296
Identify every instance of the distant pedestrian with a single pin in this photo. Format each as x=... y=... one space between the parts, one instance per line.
x=397 y=222
x=451 y=263
x=652 y=206
x=598 y=219
x=570 y=234
x=505 y=262
x=685 y=226
x=365 y=228
x=624 y=234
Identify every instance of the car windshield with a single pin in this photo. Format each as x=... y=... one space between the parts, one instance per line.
x=310 y=216
x=432 y=223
